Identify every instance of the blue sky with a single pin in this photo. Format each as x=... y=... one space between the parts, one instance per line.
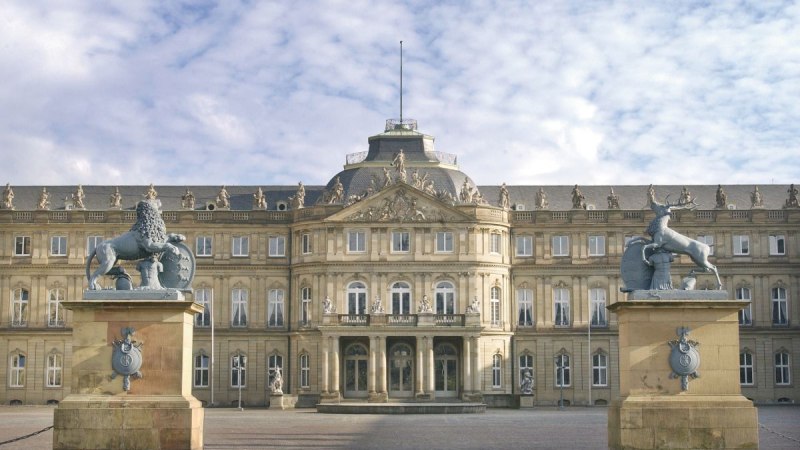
x=587 y=92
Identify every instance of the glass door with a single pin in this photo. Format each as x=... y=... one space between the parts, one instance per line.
x=355 y=371
x=401 y=371
x=446 y=370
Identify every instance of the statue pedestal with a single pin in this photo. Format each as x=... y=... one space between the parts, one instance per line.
x=652 y=411
x=526 y=401
x=159 y=411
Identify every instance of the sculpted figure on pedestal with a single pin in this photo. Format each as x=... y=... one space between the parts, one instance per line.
x=77 y=198
x=613 y=200
x=578 y=199
x=8 y=197
x=722 y=198
x=223 y=198
x=756 y=201
x=151 y=193
x=541 y=199
x=187 y=200
x=504 y=201
x=791 y=202
x=115 y=200
x=259 y=200
x=44 y=200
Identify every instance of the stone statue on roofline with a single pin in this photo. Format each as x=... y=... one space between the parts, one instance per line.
x=756 y=200
x=77 y=198
x=613 y=200
x=223 y=200
x=399 y=164
x=8 y=197
x=299 y=199
x=504 y=201
x=722 y=198
x=115 y=201
x=541 y=199
x=188 y=200
x=44 y=200
x=151 y=193
x=686 y=196
x=791 y=201
x=259 y=200
x=578 y=199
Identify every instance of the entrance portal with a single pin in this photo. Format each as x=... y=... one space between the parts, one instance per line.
x=355 y=371
x=445 y=370
x=401 y=371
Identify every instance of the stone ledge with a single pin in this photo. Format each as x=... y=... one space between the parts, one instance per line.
x=676 y=294
x=134 y=294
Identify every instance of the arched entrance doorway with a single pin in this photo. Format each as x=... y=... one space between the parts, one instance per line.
x=355 y=370
x=445 y=359
x=401 y=370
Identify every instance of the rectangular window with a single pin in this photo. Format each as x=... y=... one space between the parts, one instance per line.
x=524 y=245
x=741 y=245
x=444 y=242
x=525 y=366
x=746 y=369
x=92 y=242
x=305 y=371
x=599 y=369
x=707 y=239
x=277 y=246
x=275 y=308
x=356 y=241
x=239 y=307
x=597 y=245
x=54 y=370
x=560 y=245
x=305 y=305
x=401 y=241
x=240 y=246
x=597 y=297
x=238 y=371
x=779 y=312
x=782 y=375
x=495 y=306
x=495 y=243
x=17 y=370
x=563 y=371
x=203 y=246
x=745 y=314
x=561 y=307
x=777 y=244
x=525 y=305
x=305 y=243
x=22 y=246
x=497 y=362
x=201 y=364
x=202 y=297
x=58 y=246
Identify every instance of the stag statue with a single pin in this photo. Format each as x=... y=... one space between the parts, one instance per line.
x=665 y=238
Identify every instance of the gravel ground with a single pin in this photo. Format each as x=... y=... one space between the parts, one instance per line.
x=539 y=428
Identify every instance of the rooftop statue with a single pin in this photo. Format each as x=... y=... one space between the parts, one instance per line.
x=504 y=201
x=188 y=200
x=44 y=200
x=151 y=193
x=578 y=199
x=8 y=197
x=646 y=263
x=259 y=200
x=223 y=198
x=791 y=202
x=722 y=198
x=115 y=200
x=146 y=240
x=77 y=198
x=756 y=200
x=613 y=200
x=541 y=199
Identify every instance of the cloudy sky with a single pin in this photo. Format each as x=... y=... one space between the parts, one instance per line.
x=273 y=92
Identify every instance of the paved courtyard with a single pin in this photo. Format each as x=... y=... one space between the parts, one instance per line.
x=540 y=428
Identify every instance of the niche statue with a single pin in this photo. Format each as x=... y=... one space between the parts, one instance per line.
x=163 y=255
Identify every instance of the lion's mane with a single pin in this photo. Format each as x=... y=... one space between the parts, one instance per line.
x=149 y=224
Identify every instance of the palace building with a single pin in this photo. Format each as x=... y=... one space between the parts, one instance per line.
x=401 y=280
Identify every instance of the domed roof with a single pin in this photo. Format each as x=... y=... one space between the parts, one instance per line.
x=424 y=168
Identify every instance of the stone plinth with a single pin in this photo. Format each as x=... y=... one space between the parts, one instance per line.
x=159 y=411
x=526 y=401
x=653 y=411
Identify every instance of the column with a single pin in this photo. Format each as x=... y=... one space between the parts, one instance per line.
x=335 y=365
x=476 y=372
x=429 y=350
x=466 y=358
x=420 y=365
x=373 y=349
x=381 y=364
x=325 y=363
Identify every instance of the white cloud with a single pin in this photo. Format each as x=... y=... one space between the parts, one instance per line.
x=273 y=93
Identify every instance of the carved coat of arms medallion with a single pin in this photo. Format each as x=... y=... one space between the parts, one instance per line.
x=684 y=359
x=126 y=360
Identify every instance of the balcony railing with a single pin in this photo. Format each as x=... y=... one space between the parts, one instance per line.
x=402 y=320
x=354 y=319
x=449 y=320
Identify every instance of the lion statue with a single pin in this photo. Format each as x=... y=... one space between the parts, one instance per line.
x=147 y=236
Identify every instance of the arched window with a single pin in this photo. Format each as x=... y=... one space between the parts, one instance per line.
x=305 y=305
x=55 y=365
x=562 y=367
x=16 y=376
x=561 y=306
x=525 y=307
x=597 y=297
x=779 y=306
x=239 y=307
x=497 y=363
x=201 y=366
x=600 y=369
x=20 y=300
x=746 y=368
x=526 y=365
x=238 y=370
x=445 y=298
x=746 y=313
x=202 y=296
x=401 y=298
x=494 y=296
x=274 y=363
x=357 y=298
x=55 y=313
x=275 y=308
x=305 y=371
